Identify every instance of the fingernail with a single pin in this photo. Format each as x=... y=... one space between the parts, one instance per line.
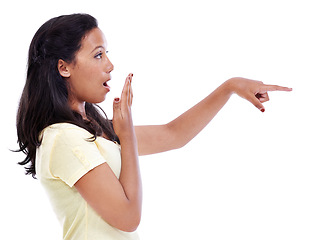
x=262 y=109
x=131 y=74
x=117 y=100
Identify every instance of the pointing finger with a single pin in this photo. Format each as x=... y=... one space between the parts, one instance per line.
x=275 y=88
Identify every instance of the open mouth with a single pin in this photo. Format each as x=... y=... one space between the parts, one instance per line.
x=105 y=84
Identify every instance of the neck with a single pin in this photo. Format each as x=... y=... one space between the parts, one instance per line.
x=79 y=107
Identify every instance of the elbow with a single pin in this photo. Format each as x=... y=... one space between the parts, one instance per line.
x=130 y=225
x=176 y=139
x=126 y=221
x=131 y=228
x=178 y=145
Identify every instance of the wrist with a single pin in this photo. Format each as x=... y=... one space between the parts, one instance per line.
x=229 y=86
x=128 y=135
x=234 y=84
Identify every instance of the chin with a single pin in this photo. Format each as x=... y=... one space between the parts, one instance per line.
x=98 y=100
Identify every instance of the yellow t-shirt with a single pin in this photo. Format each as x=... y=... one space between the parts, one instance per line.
x=64 y=156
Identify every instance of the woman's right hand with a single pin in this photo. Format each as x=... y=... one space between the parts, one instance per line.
x=122 y=117
x=117 y=200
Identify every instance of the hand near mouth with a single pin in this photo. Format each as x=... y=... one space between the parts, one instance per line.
x=122 y=117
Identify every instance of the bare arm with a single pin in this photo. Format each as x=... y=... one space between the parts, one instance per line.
x=177 y=133
x=117 y=201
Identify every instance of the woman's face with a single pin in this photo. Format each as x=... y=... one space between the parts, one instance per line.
x=88 y=75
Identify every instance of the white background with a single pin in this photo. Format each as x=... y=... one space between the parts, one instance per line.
x=247 y=175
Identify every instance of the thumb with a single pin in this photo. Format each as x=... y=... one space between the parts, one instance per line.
x=255 y=101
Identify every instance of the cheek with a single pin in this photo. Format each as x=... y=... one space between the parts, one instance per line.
x=90 y=73
x=87 y=83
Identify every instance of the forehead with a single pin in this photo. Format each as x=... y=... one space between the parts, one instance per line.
x=93 y=39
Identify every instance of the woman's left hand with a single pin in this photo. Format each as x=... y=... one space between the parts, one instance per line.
x=255 y=92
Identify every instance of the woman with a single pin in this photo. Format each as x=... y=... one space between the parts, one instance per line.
x=88 y=164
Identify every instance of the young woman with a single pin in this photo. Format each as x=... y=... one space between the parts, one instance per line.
x=88 y=164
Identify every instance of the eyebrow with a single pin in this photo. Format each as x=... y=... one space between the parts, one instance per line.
x=97 y=48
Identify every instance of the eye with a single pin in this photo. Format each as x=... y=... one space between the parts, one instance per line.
x=99 y=55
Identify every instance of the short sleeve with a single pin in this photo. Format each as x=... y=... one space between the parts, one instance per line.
x=74 y=154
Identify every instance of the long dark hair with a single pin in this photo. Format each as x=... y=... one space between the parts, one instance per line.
x=44 y=99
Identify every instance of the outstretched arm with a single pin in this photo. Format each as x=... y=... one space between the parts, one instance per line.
x=177 y=133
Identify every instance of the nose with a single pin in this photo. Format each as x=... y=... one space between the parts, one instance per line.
x=110 y=66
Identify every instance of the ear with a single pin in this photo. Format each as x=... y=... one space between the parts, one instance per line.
x=63 y=68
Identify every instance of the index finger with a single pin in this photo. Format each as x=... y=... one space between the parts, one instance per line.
x=126 y=91
x=275 y=88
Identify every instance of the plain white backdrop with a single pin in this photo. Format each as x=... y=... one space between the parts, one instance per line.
x=247 y=175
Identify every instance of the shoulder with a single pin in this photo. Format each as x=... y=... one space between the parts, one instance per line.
x=66 y=130
x=64 y=127
x=71 y=151
x=65 y=135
